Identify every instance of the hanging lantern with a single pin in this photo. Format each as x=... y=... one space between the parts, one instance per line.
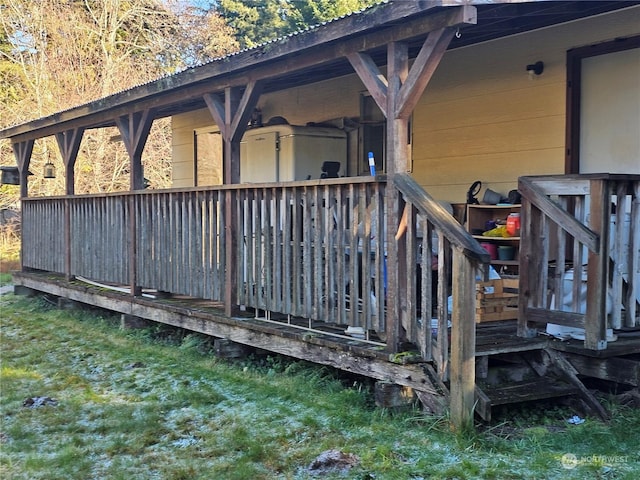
x=49 y=170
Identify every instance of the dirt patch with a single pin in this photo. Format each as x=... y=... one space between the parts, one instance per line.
x=35 y=402
x=332 y=461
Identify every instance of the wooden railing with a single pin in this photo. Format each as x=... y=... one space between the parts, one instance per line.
x=178 y=238
x=437 y=249
x=313 y=250
x=580 y=254
x=318 y=250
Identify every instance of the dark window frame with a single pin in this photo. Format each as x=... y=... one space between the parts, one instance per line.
x=574 y=92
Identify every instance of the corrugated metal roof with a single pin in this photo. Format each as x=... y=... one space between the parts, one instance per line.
x=496 y=18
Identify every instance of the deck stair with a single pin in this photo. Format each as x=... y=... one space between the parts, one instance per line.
x=529 y=376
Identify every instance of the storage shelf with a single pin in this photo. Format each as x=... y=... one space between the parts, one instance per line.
x=477 y=218
x=496 y=239
x=514 y=263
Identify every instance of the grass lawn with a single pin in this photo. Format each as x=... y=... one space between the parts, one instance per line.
x=157 y=404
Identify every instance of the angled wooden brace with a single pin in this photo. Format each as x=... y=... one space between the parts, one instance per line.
x=69 y=145
x=135 y=128
x=22 y=151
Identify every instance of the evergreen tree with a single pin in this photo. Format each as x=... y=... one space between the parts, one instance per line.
x=258 y=21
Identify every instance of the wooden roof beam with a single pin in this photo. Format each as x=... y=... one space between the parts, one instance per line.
x=23 y=151
x=239 y=70
x=69 y=145
x=422 y=70
x=370 y=75
x=134 y=128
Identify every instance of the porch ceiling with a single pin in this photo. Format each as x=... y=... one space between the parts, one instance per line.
x=312 y=56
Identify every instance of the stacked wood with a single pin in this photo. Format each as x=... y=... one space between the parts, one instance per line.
x=497 y=300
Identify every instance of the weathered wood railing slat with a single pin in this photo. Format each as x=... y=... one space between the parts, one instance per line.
x=43 y=235
x=310 y=251
x=180 y=239
x=424 y=222
x=579 y=253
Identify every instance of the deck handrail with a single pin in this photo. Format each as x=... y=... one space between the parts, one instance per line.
x=579 y=254
x=460 y=257
x=440 y=218
x=380 y=178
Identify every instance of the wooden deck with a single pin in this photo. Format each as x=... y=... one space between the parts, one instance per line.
x=328 y=344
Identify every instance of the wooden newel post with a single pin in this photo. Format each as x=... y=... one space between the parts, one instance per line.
x=463 y=342
x=232 y=116
x=597 y=267
x=69 y=145
x=134 y=129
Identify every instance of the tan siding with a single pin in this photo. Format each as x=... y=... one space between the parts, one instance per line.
x=319 y=102
x=483 y=118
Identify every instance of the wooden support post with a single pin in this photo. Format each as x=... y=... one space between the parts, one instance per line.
x=23 y=151
x=232 y=118
x=528 y=274
x=231 y=173
x=135 y=128
x=397 y=96
x=463 y=343
x=69 y=145
x=393 y=396
x=597 y=265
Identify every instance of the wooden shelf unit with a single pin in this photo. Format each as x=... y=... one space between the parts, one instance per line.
x=477 y=218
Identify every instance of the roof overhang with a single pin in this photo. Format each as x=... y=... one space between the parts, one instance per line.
x=319 y=54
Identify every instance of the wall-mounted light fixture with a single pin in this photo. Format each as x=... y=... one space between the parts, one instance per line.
x=49 y=170
x=535 y=68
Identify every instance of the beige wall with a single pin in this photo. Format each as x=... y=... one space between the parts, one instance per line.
x=481 y=117
x=183 y=128
x=323 y=101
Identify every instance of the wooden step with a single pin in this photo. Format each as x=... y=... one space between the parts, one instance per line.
x=526 y=391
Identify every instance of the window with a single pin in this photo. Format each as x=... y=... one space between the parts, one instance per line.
x=208 y=157
x=372 y=135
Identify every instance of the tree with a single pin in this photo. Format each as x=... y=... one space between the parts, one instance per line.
x=257 y=21
x=57 y=54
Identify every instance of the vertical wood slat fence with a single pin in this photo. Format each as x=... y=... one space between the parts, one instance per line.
x=43 y=237
x=580 y=254
x=428 y=236
x=313 y=250
x=179 y=235
x=181 y=242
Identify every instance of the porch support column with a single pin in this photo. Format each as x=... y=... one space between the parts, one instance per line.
x=69 y=145
x=397 y=97
x=135 y=128
x=397 y=161
x=232 y=118
x=595 y=320
x=22 y=151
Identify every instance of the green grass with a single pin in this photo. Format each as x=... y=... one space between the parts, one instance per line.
x=157 y=404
